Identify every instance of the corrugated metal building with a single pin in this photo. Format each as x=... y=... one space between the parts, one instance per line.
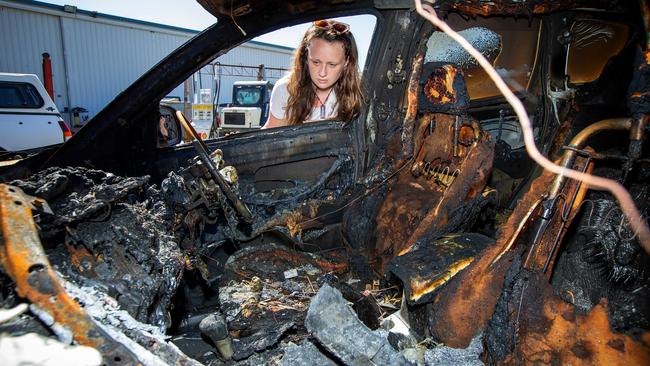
x=95 y=56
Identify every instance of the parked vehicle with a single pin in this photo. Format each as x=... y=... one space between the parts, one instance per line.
x=427 y=202
x=250 y=106
x=29 y=119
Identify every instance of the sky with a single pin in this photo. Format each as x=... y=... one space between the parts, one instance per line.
x=189 y=14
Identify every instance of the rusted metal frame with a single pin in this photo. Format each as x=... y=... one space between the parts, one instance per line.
x=579 y=141
x=549 y=204
x=543 y=249
x=476 y=154
x=412 y=91
x=569 y=205
x=515 y=235
x=24 y=260
x=479 y=7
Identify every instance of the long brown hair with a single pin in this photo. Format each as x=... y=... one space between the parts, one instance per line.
x=347 y=87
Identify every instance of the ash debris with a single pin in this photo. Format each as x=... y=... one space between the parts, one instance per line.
x=339 y=330
x=112 y=233
x=140 y=338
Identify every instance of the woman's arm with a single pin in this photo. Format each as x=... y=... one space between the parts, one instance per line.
x=277 y=105
x=274 y=122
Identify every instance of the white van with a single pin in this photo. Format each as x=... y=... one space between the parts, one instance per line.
x=29 y=118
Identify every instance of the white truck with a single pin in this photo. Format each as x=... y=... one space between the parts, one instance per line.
x=29 y=119
x=250 y=108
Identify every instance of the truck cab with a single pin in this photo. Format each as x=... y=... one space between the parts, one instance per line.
x=250 y=108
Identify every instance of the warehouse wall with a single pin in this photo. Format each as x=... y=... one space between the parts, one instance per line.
x=105 y=59
x=24 y=37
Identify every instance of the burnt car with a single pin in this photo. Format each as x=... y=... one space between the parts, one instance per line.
x=419 y=233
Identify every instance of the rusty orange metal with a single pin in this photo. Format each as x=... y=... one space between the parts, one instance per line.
x=552 y=331
x=483 y=8
x=439 y=87
x=23 y=259
x=284 y=258
x=463 y=307
x=542 y=255
x=423 y=286
x=82 y=259
x=421 y=199
x=408 y=125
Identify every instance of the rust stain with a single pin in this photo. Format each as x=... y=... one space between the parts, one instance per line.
x=478 y=7
x=82 y=259
x=474 y=165
x=467 y=135
x=439 y=87
x=515 y=235
x=328 y=266
x=557 y=228
x=421 y=286
x=412 y=107
x=280 y=259
x=520 y=216
x=617 y=344
x=35 y=279
x=467 y=302
x=552 y=337
x=413 y=88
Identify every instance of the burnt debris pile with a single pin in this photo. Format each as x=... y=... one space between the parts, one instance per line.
x=166 y=275
x=130 y=253
x=113 y=233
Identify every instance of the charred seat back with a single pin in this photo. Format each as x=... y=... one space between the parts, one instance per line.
x=442 y=189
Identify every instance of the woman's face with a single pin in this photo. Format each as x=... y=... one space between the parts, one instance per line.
x=326 y=61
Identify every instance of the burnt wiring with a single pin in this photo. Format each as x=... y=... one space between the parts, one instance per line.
x=232 y=16
x=366 y=193
x=628 y=207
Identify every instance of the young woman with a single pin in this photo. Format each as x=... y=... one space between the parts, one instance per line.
x=324 y=81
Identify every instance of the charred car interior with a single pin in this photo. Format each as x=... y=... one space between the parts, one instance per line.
x=419 y=233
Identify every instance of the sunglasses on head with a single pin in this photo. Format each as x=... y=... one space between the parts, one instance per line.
x=337 y=27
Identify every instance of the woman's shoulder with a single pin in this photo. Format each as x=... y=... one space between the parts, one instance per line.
x=280 y=88
x=283 y=81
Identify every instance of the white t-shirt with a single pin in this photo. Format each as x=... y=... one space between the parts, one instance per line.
x=280 y=97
